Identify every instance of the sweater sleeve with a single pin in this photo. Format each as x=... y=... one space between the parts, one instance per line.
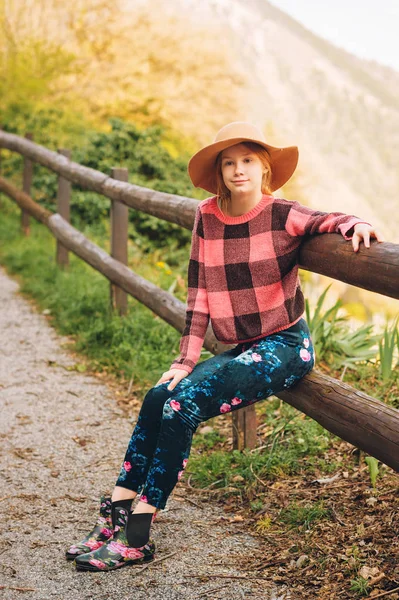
x=302 y=220
x=197 y=311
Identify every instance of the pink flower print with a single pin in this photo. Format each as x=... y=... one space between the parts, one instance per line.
x=97 y=563
x=117 y=528
x=306 y=342
x=93 y=544
x=143 y=499
x=102 y=520
x=185 y=461
x=116 y=548
x=256 y=357
x=131 y=553
x=304 y=354
x=179 y=475
x=73 y=550
x=106 y=532
x=127 y=466
x=175 y=405
x=225 y=408
x=236 y=401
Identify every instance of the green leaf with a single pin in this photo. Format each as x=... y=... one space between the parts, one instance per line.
x=373 y=468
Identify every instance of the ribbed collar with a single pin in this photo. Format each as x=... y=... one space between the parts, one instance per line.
x=266 y=199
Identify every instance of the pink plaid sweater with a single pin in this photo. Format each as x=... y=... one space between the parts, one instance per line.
x=243 y=271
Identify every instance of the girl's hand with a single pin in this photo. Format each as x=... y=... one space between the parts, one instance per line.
x=362 y=231
x=175 y=374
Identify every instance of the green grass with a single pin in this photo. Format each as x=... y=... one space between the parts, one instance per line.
x=297 y=446
x=78 y=300
x=360 y=586
x=303 y=516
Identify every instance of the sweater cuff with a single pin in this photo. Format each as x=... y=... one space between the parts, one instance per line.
x=346 y=227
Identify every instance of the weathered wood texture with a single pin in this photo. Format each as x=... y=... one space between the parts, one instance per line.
x=245 y=425
x=352 y=415
x=175 y=209
x=375 y=269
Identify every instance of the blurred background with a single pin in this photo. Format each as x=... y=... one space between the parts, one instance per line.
x=144 y=83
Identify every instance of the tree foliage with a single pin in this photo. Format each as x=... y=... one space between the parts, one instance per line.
x=142 y=62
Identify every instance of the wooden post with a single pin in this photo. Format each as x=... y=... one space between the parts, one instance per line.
x=26 y=186
x=119 y=236
x=63 y=209
x=244 y=428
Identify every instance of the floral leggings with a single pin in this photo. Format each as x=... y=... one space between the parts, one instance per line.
x=160 y=445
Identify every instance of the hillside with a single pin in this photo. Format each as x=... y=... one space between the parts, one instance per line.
x=341 y=111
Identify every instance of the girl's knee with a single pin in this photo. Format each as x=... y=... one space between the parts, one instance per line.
x=157 y=395
x=179 y=409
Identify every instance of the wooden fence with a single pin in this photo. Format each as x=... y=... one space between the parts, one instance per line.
x=365 y=422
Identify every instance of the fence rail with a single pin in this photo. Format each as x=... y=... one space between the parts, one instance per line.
x=354 y=416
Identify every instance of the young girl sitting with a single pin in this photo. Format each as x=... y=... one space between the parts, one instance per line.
x=243 y=277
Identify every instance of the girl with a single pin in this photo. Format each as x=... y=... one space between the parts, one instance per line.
x=243 y=276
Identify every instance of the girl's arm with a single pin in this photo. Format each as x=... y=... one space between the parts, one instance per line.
x=197 y=313
x=302 y=220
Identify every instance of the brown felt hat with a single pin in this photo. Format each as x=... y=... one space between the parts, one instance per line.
x=202 y=165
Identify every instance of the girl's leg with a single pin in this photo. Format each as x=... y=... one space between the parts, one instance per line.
x=142 y=445
x=267 y=366
x=243 y=376
x=132 y=476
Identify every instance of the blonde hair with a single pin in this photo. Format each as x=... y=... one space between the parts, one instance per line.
x=223 y=193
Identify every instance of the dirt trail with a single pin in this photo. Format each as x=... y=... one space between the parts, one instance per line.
x=62 y=441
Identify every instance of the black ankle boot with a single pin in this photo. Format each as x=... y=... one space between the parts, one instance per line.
x=138 y=529
x=131 y=544
x=101 y=532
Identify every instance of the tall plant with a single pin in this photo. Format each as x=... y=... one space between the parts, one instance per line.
x=333 y=339
x=386 y=344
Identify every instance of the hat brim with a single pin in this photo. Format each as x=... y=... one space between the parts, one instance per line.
x=202 y=171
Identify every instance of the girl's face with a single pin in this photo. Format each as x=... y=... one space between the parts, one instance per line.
x=242 y=170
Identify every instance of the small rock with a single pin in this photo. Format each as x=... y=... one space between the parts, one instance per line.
x=206 y=429
x=302 y=560
x=371 y=501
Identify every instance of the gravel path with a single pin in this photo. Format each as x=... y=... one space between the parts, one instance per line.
x=62 y=441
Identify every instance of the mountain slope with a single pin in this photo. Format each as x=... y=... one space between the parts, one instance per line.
x=341 y=111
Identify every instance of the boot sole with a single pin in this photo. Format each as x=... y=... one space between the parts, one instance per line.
x=73 y=556
x=89 y=567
